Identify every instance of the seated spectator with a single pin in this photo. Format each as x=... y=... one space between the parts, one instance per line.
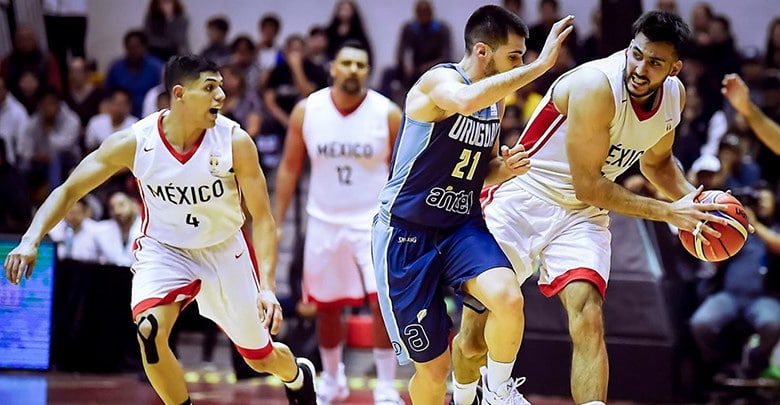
x=27 y=56
x=77 y=235
x=50 y=145
x=15 y=206
x=136 y=72
x=346 y=23
x=116 y=118
x=217 y=48
x=83 y=97
x=241 y=105
x=244 y=55
x=150 y=99
x=268 y=52
x=317 y=47
x=742 y=294
x=30 y=91
x=165 y=26
x=118 y=234
x=13 y=121
x=424 y=42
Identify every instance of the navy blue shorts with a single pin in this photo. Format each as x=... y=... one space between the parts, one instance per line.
x=413 y=264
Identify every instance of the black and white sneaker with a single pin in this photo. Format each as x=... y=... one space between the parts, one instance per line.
x=307 y=395
x=477 y=398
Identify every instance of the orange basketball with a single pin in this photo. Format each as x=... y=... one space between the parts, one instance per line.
x=732 y=237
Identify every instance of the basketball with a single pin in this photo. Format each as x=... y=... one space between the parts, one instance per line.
x=732 y=237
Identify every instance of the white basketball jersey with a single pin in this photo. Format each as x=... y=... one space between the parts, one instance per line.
x=349 y=158
x=190 y=200
x=631 y=132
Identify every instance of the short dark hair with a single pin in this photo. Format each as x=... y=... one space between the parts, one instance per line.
x=492 y=25
x=219 y=23
x=270 y=19
x=140 y=35
x=242 y=40
x=660 y=26
x=352 y=43
x=185 y=68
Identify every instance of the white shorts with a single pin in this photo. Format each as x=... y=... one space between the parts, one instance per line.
x=564 y=245
x=337 y=266
x=223 y=279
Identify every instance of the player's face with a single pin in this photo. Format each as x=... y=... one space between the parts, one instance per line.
x=648 y=65
x=349 y=70
x=507 y=56
x=203 y=98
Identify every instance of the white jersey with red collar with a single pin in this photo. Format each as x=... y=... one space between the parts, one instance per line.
x=631 y=132
x=190 y=200
x=349 y=155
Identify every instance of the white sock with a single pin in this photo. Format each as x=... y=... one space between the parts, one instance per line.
x=595 y=403
x=463 y=394
x=385 y=362
x=331 y=358
x=297 y=382
x=497 y=372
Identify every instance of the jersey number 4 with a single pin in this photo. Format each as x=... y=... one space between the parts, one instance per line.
x=467 y=160
x=192 y=220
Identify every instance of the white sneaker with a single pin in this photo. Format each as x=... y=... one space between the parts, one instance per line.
x=330 y=389
x=387 y=395
x=505 y=394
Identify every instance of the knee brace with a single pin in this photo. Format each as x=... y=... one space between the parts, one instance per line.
x=149 y=346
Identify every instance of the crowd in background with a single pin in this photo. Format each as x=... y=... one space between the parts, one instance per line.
x=57 y=105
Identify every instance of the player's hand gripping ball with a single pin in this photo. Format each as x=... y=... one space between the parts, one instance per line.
x=733 y=235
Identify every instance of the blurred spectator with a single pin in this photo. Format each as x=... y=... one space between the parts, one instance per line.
x=150 y=98
x=66 y=30
x=267 y=51
x=137 y=71
x=50 y=145
x=693 y=129
x=741 y=293
x=165 y=26
x=13 y=121
x=704 y=172
x=117 y=117
x=83 y=97
x=27 y=57
x=217 y=48
x=293 y=79
x=30 y=91
x=773 y=45
x=424 y=42
x=701 y=16
x=548 y=15
x=15 y=207
x=77 y=235
x=346 y=23
x=737 y=168
x=244 y=56
x=591 y=47
x=565 y=62
x=241 y=105
x=515 y=6
x=317 y=47
x=669 y=6
x=118 y=233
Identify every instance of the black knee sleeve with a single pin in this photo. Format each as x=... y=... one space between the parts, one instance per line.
x=148 y=342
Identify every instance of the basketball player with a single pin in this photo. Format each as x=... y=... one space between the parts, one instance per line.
x=736 y=91
x=430 y=230
x=348 y=132
x=594 y=122
x=189 y=163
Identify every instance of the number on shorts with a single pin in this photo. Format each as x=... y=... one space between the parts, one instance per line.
x=192 y=220
x=416 y=337
x=466 y=160
x=345 y=174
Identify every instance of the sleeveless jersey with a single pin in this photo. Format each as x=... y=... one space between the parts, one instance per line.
x=438 y=168
x=190 y=200
x=631 y=133
x=349 y=158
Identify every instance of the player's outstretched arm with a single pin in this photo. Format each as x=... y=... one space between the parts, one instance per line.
x=255 y=192
x=116 y=152
x=291 y=164
x=736 y=91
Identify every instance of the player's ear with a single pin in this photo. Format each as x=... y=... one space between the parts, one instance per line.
x=177 y=92
x=482 y=50
x=676 y=68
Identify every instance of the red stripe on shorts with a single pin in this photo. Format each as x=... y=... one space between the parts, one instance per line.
x=343 y=302
x=189 y=291
x=256 y=354
x=578 y=274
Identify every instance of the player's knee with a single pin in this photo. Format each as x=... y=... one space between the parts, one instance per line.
x=508 y=298
x=470 y=342
x=588 y=322
x=152 y=335
x=433 y=374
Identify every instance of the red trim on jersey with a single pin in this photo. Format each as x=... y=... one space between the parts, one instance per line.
x=644 y=115
x=486 y=196
x=251 y=249
x=346 y=112
x=577 y=274
x=181 y=157
x=256 y=354
x=344 y=302
x=190 y=291
x=541 y=128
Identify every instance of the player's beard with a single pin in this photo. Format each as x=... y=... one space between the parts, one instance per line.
x=490 y=68
x=651 y=88
x=351 y=86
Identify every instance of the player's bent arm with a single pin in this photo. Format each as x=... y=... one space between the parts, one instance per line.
x=769 y=236
x=660 y=168
x=767 y=130
x=447 y=91
x=255 y=193
x=590 y=108
x=115 y=153
x=291 y=164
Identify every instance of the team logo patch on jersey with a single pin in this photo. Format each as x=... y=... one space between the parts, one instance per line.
x=218 y=167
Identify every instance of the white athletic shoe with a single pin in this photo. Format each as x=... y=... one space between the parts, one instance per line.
x=505 y=394
x=332 y=390
x=387 y=395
